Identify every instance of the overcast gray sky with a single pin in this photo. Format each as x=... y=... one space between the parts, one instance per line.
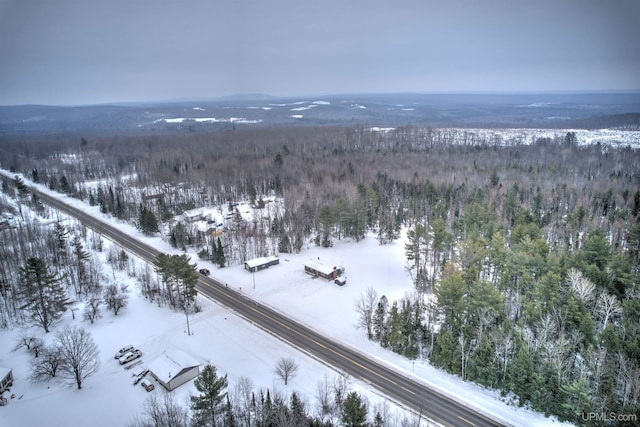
x=95 y=51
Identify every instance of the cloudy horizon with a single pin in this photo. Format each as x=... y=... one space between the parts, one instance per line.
x=72 y=52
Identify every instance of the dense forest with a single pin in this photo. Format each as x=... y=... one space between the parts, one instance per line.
x=525 y=257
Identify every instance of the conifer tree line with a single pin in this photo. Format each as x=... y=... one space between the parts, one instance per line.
x=525 y=257
x=217 y=403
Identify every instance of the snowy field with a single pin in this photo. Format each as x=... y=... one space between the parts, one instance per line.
x=234 y=346
x=615 y=138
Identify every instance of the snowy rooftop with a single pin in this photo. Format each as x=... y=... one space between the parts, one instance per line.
x=4 y=371
x=260 y=261
x=318 y=266
x=169 y=364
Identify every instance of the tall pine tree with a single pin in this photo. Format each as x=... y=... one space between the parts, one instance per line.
x=147 y=222
x=218 y=255
x=42 y=292
x=207 y=406
x=354 y=411
x=80 y=257
x=180 y=278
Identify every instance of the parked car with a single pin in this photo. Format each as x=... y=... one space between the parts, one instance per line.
x=124 y=350
x=341 y=281
x=147 y=385
x=204 y=271
x=137 y=372
x=128 y=357
x=140 y=376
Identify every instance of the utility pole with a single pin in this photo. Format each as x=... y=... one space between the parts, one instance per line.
x=186 y=312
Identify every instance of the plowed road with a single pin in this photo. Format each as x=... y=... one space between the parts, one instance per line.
x=406 y=391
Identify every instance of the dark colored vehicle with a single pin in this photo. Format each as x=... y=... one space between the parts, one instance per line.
x=147 y=385
x=204 y=271
x=340 y=281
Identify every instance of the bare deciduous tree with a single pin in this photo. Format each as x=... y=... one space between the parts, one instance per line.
x=324 y=401
x=242 y=394
x=92 y=310
x=33 y=344
x=47 y=365
x=165 y=413
x=365 y=307
x=582 y=287
x=115 y=299
x=608 y=306
x=79 y=354
x=286 y=368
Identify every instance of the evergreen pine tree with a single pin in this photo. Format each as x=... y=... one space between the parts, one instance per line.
x=577 y=399
x=207 y=405
x=23 y=190
x=354 y=411
x=45 y=297
x=267 y=410
x=65 y=187
x=379 y=321
x=147 y=222
x=61 y=236
x=187 y=278
x=482 y=368
x=298 y=413
x=522 y=376
x=101 y=200
x=444 y=351
x=80 y=257
x=119 y=208
x=220 y=257
x=229 y=418
x=378 y=421
x=284 y=244
x=180 y=278
x=416 y=253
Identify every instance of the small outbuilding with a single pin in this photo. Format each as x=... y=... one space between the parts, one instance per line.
x=258 y=264
x=317 y=269
x=6 y=379
x=172 y=369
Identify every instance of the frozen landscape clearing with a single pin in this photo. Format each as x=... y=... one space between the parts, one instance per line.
x=237 y=348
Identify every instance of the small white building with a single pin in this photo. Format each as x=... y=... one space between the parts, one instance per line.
x=261 y=263
x=192 y=215
x=172 y=369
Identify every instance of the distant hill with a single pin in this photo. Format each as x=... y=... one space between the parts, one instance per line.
x=560 y=111
x=247 y=97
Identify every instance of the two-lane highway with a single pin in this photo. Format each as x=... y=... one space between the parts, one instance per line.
x=404 y=390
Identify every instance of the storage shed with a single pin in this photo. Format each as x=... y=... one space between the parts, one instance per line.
x=172 y=369
x=317 y=269
x=258 y=264
x=6 y=379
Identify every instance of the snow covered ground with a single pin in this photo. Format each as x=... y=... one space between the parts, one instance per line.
x=208 y=120
x=234 y=346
